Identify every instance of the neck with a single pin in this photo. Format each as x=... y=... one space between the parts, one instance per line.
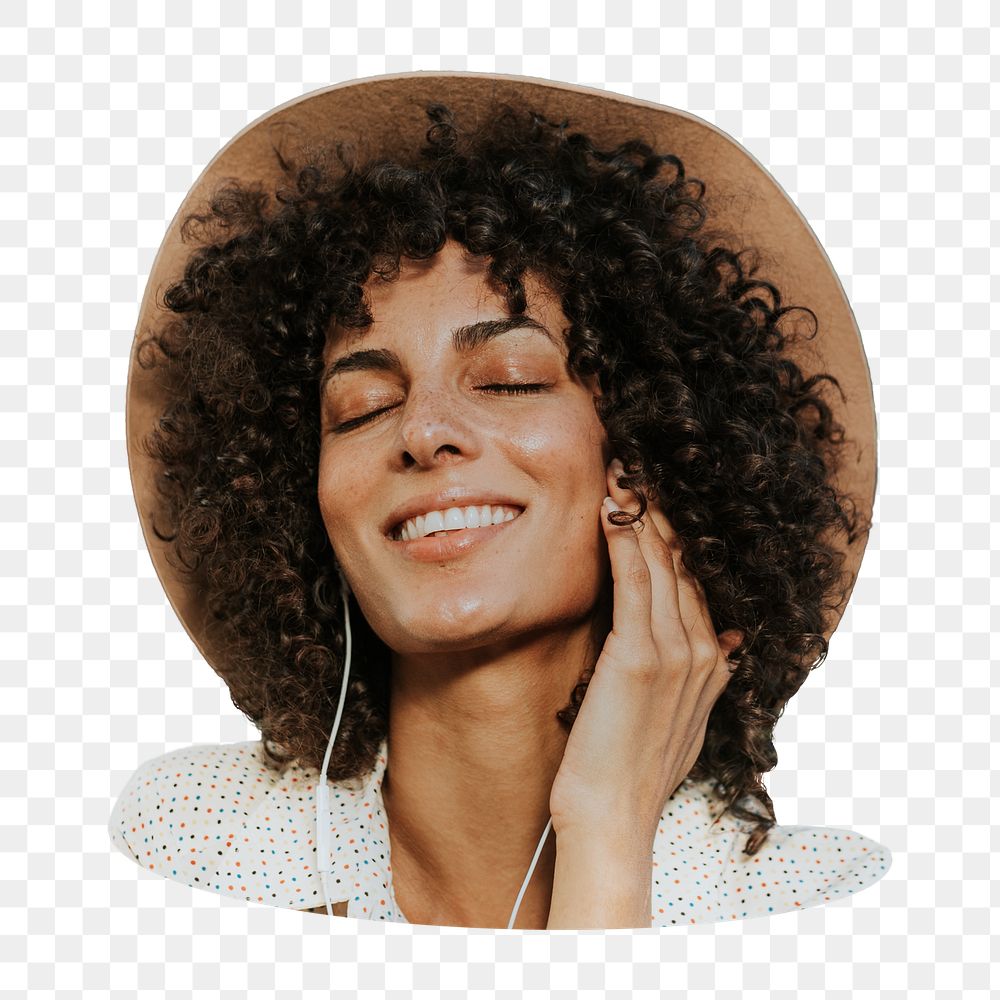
x=474 y=745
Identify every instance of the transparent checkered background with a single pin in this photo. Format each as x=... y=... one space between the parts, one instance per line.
x=876 y=119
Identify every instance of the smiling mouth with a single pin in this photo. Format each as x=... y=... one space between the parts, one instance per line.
x=453 y=544
x=511 y=513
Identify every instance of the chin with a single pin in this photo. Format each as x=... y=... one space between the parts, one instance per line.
x=445 y=625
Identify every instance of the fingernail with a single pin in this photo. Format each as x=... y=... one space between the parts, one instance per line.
x=609 y=504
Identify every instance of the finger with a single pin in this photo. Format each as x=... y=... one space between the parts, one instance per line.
x=666 y=624
x=706 y=677
x=692 y=599
x=632 y=597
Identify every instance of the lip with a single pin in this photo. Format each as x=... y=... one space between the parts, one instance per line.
x=456 y=496
x=452 y=545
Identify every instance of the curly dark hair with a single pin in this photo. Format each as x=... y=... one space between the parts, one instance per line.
x=700 y=401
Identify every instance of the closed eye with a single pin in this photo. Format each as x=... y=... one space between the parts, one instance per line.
x=514 y=387
x=509 y=388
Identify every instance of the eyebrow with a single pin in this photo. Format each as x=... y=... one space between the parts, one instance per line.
x=464 y=339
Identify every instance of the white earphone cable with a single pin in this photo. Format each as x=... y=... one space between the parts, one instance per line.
x=322 y=785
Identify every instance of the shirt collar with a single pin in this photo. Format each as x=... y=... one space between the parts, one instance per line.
x=359 y=838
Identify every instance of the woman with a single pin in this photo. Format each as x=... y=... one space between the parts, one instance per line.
x=418 y=377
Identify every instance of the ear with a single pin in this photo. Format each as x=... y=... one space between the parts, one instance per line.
x=593 y=383
x=729 y=640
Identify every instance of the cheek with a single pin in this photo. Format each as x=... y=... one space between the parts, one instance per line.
x=324 y=493
x=333 y=493
x=566 y=459
x=567 y=452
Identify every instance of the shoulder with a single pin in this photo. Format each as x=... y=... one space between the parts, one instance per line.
x=701 y=875
x=218 y=817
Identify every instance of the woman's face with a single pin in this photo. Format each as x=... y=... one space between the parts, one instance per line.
x=417 y=424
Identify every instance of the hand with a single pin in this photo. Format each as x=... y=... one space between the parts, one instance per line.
x=642 y=723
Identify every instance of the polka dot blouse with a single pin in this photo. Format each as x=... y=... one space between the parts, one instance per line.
x=215 y=817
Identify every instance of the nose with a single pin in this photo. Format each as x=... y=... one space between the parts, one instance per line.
x=435 y=427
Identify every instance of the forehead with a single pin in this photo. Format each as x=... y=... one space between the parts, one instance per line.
x=438 y=295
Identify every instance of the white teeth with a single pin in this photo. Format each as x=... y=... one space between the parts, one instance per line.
x=454 y=519
x=434 y=521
